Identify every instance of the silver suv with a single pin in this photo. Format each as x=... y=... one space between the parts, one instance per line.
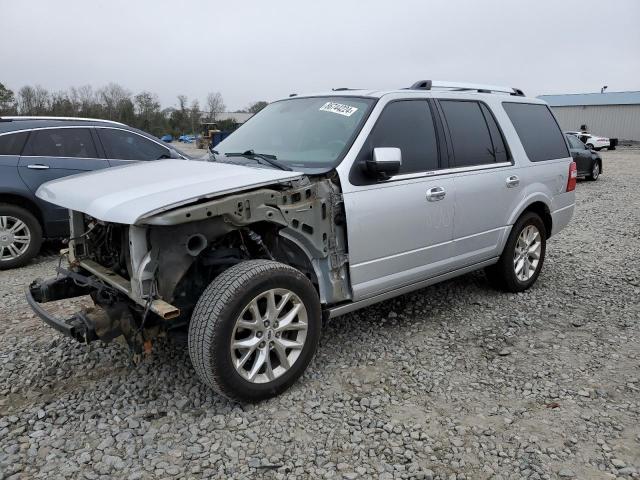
x=318 y=206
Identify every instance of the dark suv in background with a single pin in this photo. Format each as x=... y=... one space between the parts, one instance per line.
x=34 y=150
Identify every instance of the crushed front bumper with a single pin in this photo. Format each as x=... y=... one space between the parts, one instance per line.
x=80 y=325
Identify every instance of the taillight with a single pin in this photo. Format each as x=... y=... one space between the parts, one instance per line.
x=573 y=177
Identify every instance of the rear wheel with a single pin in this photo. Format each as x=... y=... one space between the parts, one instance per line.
x=254 y=330
x=20 y=236
x=522 y=257
x=595 y=171
x=590 y=146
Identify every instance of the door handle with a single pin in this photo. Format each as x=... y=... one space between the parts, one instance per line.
x=37 y=166
x=436 y=193
x=513 y=181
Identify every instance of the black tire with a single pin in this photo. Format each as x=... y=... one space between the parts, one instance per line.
x=214 y=320
x=590 y=146
x=35 y=232
x=502 y=275
x=595 y=171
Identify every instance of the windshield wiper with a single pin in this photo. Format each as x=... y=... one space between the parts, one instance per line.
x=270 y=159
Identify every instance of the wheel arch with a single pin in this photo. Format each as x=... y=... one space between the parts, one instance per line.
x=24 y=202
x=541 y=209
x=539 y=204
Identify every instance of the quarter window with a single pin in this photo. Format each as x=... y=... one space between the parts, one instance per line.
x=472 y=142
x=406 y=125
x=12 y=144
x=124 y=145
x=538 y=130
x=499 y=147
x=61 y=142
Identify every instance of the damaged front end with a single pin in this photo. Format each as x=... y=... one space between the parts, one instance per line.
x=146 y=278
x=113 y=316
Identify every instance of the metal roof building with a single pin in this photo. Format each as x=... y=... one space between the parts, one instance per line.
x=611 y=114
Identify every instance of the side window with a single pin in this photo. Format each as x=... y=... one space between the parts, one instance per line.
x=574 y=142
x=124 y=145
x=538 y=131
x=407 y=125
x=469 y=133
x=499 y=145
x=61 y=142
x=12 y=143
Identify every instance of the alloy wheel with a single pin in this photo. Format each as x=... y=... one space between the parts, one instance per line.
x=15 y=238
x=269 y=335
x=526 y=257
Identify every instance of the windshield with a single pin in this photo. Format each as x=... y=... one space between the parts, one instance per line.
x=301 y=132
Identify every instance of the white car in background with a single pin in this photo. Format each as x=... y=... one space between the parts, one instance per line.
x=594 y=142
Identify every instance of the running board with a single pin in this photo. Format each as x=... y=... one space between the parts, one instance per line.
x=350 y=307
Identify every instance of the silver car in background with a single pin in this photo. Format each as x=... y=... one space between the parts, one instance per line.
x=319 y=205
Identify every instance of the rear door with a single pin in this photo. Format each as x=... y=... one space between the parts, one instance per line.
x=52 y=153
x=486 y=181
x=122 y=147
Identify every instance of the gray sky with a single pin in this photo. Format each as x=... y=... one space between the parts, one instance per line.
x=253 y=50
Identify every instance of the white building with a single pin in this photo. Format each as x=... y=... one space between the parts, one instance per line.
x=610 y=114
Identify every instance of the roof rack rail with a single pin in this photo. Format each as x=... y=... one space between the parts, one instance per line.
x=80 y=119
x=465 y=87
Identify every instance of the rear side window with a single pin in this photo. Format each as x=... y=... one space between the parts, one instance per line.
x=575 y=143
x=407 y=125
x=124 y=145
x=61 y=142
x=472 y=144
x=11 y=144
x=538 y=131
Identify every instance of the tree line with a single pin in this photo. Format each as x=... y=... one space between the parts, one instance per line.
x=114 y=102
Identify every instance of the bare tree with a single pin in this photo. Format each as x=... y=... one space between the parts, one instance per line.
x=26 y=100
x=61 y=104
x=194 y=114
x=215 y=105
x=114 y=98
x=33 y=100
x=87 y=100
x=256 y=106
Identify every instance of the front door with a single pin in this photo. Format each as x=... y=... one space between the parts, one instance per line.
x=400 y=228
x=52 y=153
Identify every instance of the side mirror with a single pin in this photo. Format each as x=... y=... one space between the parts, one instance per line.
x=385 y=163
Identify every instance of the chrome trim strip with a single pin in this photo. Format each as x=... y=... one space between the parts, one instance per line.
x=53 y=156
x=445 y=171
x=80 y=119
x=33 y=129
x=350 y=307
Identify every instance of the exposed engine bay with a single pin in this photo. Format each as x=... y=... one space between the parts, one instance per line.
x=145 y=279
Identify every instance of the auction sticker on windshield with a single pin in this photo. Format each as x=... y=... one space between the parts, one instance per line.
x=339 y=108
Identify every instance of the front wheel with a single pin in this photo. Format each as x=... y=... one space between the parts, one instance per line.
x=522 y=257
x=254 y=330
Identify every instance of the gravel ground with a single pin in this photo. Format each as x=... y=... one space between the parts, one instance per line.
x=455 y=381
